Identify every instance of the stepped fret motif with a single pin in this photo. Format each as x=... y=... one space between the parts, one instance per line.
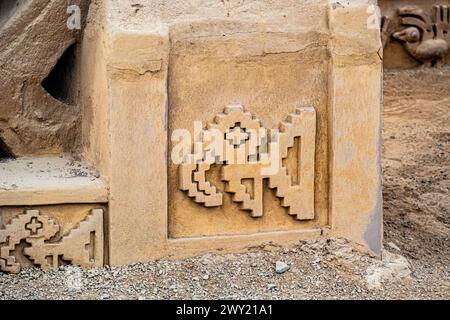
x=82 y=246
x=250 y=153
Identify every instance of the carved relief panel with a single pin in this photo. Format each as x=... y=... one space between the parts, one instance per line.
x=51 y=236
x=246 y=151
x=256 y=162
x=416 y=33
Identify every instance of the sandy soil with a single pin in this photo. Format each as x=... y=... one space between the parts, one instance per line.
x=416 y=164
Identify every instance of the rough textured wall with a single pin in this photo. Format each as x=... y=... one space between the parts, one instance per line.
x=38 y=72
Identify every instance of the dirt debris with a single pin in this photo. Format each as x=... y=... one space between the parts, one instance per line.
x=323 y=269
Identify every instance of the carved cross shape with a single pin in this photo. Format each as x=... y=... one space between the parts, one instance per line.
x=237 y=136
x=34 y=225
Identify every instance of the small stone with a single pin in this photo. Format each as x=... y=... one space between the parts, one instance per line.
x=281 y=267
x=393 y=246
x=104 y=296
x=205 y=277
x=39 y=115
x=392 y=267
x=271 y=286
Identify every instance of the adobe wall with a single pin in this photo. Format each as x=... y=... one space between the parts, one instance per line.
x=291 y=91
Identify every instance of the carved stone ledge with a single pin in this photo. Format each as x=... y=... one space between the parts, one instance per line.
x=49 y=181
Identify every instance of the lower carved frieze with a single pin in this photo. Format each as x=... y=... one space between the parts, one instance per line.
x=35 y=238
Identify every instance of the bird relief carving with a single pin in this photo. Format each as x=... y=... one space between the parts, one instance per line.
x=246 y=151
x=425 y=35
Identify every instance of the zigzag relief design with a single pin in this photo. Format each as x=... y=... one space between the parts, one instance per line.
x=82 y=246
x=245 y=156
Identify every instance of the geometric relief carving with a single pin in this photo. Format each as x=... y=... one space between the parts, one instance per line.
x=248 y=153
x=425 y=35
x=82 y=246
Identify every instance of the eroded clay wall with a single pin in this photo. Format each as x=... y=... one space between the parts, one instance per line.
x=39 y=57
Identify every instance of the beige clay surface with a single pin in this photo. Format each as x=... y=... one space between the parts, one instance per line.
x=49 y=180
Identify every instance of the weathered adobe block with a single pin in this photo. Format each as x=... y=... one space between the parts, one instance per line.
x=310 y=71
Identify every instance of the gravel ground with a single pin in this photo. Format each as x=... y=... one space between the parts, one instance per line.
x=416 y=260
x=326 y=269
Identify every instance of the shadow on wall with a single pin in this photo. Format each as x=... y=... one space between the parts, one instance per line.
x=5 y=152
x=61 y=81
